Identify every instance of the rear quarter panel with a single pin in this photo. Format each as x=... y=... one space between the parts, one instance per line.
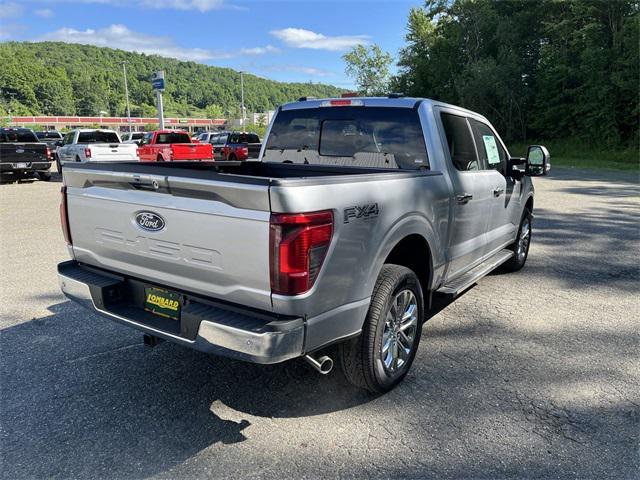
x=407 y=203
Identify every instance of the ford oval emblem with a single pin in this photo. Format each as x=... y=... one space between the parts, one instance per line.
x=150 y=221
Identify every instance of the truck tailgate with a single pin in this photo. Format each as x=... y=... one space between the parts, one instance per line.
x=194 y=151
x=113 y=152
x=198 y=235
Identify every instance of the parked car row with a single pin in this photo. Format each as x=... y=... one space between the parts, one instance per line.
x=28 y=154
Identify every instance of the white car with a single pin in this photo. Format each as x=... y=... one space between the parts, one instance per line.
x=91 y=145
x=132 y=137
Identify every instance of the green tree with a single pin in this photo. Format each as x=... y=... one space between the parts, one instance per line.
x=369 y=66
x=551 y=69
x=214 y=111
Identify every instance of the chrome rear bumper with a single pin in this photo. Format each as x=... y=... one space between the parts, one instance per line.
x=206 y=325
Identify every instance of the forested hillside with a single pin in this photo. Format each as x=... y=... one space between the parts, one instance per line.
x=63 y=79
x=538 y=69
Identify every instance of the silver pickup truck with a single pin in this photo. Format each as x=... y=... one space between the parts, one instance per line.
x=358 y=211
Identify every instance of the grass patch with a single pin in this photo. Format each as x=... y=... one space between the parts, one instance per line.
x=576 y=154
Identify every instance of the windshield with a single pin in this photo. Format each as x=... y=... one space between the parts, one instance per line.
x=173 y=138
x=358 y=136
x=98 y=136
x=18 y=136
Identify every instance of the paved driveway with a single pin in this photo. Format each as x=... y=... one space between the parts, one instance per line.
x=527 y=375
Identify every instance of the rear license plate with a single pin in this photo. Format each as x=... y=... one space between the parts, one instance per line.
x=21 y=165
x=162 y=302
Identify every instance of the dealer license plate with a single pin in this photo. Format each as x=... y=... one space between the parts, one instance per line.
x=162 y=302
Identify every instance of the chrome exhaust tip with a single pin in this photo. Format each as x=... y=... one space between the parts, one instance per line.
x=323 y=364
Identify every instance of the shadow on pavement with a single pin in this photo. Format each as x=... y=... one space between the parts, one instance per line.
x=86 y=401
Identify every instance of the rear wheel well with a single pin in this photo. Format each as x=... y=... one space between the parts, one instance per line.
x=413 y=252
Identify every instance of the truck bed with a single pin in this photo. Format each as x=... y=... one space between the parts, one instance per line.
x=259 y=173
x=215 y=221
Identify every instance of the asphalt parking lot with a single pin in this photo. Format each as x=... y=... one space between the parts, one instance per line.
x=527 y=375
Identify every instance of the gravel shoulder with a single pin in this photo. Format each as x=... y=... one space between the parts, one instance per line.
x=528 y=375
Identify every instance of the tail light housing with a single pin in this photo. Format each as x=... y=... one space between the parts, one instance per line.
x=64 y=215
x=298 y=245
x=87 y=153
x=49 y=154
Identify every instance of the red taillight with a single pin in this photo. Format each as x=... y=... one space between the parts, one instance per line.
x=64 y=215
x=49 y=153
x=298 y=244
x=87 y=153
x=340 y=103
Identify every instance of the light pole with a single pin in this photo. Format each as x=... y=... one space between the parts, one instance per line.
x=242 y=98
x=126 y=91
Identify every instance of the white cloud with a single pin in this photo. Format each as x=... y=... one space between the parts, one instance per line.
x=199 y=5
x=10 y=10
x=44 y=12
x=288 y=68
x=301 y=38
x=8 y=31
x=121 y=37
x=259 y=50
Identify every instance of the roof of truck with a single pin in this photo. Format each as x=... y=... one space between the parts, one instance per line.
x=391 y=101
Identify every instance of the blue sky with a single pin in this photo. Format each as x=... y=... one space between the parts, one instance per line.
x=282 y=40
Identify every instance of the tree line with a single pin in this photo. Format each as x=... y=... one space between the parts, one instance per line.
x=52 y=78
x=545 y=69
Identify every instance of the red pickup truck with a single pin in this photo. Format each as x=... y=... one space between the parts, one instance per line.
x=172 y=145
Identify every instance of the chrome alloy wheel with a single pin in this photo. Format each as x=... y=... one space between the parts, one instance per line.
x=399 y=332
x=524 y=239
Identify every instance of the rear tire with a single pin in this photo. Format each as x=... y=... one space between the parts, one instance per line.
x=44 y=176
x=521 y=246
x=382 y=355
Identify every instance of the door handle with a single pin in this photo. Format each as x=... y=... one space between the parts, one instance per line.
x=498 y=191
x=464 y=198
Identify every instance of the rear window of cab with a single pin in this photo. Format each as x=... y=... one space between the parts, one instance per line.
x=379 y=137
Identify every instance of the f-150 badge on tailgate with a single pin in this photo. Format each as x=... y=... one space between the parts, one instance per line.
x=150 y=221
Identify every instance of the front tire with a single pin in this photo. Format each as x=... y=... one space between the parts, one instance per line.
x=521 y=246
x=58 y=165
x=382 y=355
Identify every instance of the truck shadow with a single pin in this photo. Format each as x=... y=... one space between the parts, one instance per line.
x=78 y=388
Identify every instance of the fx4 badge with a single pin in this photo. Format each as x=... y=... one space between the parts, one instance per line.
x=364 y=211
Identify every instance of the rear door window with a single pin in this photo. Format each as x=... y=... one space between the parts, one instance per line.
x=379 y=137
x=460 y=142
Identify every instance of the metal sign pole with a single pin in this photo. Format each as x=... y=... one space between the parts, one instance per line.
x=160 y=109
x=126 y=93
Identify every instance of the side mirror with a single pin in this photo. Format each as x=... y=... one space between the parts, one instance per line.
x=538 y=161
x=58 y=143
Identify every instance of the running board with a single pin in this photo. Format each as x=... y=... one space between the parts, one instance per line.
x=460 y=284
